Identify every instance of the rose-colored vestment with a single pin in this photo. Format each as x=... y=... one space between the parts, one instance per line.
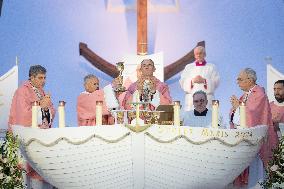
x=86 y=108
x=21 y=112
x=163 y=89
x=258 y=112
x=277 y=109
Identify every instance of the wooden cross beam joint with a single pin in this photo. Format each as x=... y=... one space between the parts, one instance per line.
x=110 y=69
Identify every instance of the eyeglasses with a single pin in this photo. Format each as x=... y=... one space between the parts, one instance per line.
x=242 y=79
x=201 y=100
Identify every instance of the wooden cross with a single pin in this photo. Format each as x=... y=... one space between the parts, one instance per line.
x=142 y=43
x=142 y=48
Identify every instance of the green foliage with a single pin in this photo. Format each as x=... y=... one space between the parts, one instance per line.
x=10 y=171
x=275 y=169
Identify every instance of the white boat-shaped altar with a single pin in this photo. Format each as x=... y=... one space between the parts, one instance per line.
x=157 y=157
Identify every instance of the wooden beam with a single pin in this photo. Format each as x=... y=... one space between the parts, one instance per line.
x=179 y=65
x=1 y=3
x=97 y=61
x=110 y=69
x=142 y=43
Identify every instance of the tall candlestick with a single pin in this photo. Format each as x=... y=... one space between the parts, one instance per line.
x=35 y=109
x=215 y=110
x=177 y=113
x=137 y=109
x=61 y=114
x=99 y=112
x=243 y=115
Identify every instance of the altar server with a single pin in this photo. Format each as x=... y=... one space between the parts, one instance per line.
x=200 y=116
x=199 y=76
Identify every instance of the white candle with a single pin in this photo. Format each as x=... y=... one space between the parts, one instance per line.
x=176 y=113
x=35 y=109
x=99 y=112
x=137 y=108
x=215 y=109
x=61 y=114
x=243 y=115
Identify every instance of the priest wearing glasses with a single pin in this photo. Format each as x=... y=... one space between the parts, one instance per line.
x=200 y=116
x=258 y=112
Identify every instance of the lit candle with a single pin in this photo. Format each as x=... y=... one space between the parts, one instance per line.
x=243 y=115
x=215 y=109
x=99 y=112
x=35 y=109
x=61 y=114
x=176 y=113
x=137 y=108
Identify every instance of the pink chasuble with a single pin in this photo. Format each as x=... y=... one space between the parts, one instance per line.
x=21 y=107
x=86 y=109
x=21 y=113
x=258 y=113
x=163 y=89
x=277 y=109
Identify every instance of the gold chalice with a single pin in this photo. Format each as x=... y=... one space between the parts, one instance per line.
x=120 y=117
x=120 y=68
x=156 y=116
x=147 y=116
x=131 y=115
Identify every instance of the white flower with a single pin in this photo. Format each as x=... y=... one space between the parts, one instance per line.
x=5 y=160
x=274 y=168
x=1 y=176
x=8 y=178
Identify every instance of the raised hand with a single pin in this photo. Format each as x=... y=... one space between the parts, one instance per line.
x=235 y=102
x=45 y=102
x=198 y=79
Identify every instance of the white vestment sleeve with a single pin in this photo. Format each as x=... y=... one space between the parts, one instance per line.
x=109 y=96
x=213 y=81
x=236 y=118
x=156 y=99
x=39 y=116
x=186 y=78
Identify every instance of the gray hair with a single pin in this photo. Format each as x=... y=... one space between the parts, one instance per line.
x=200 y=48
x=36 y=69
x=150 y=60
x=89 y=76
x=200 y=92
x=250 y=73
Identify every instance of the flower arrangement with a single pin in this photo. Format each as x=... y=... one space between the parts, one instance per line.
x=10 y=169
x=275 y=169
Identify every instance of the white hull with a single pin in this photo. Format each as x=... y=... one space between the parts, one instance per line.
x=159 y=157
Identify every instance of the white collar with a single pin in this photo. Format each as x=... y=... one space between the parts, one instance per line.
x=248 y=92
x=85 y=92
x=278 y=104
